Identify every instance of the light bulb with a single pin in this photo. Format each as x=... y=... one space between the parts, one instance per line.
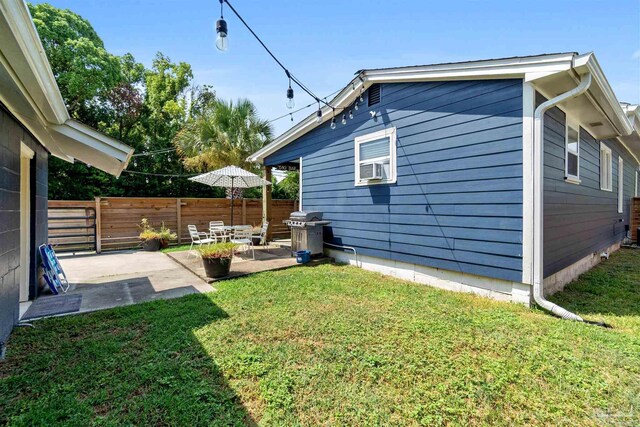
x=147 y=180
x=222 y=41
x=361 y=97
x=333 y=123
x=169 y=180
x=319 y=116
x=135 y=163
x=355 y=106
x=344 y=119
x=290 y=102
x=350 y=114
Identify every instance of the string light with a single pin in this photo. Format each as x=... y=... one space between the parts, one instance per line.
x=350 y=114
x=147 y=180
x=344 y=119
x=319 y=115
x=222 y=39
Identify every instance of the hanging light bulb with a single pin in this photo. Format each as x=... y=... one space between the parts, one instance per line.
x=169 y=180
x=344 y=119
x=147 y=180
x=222 y=41
x=168 y=158
x=290 y=102
x=355 y=106
x=350 y=114
x=361 y=97
x=135 y=163
x=319 y=116
x=333 y=123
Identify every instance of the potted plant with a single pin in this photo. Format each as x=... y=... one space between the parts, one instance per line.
x=151 y=239
x=216 y=258
x=165 y=236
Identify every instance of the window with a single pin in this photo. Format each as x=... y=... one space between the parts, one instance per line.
x=572 y=154
x=374 y=95
x=376 y=152
x=606 y=169
x=620 y=185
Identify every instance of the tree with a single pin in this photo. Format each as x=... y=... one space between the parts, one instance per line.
x=84 y=70
x=223 y=134
x=290 y=185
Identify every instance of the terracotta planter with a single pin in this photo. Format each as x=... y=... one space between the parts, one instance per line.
x=216 y=267
x=151 y=245
x=164 y=243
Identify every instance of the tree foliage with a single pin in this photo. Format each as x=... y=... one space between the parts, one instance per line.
x=144 y=108
x=223 y=133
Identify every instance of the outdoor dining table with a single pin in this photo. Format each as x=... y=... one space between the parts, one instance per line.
x=229 y=229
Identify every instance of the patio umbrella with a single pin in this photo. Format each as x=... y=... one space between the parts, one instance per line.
x=230 y=177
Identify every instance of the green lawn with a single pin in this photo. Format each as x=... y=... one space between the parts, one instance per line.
x=334 y=345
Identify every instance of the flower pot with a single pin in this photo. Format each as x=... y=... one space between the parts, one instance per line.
x=151 y=245
x=164 y=243
x=216 y=267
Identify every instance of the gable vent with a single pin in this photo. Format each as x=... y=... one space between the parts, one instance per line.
x=374 y=95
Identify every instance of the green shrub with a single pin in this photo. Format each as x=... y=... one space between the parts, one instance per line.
x=217 y=250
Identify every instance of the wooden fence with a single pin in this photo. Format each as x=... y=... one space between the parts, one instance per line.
x=117 y=219
x=635 y=218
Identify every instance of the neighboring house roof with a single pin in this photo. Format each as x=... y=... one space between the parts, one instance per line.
x=550 y=73
x=29 y=90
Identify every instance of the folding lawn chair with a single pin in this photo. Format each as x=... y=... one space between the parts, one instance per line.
x=54 y=275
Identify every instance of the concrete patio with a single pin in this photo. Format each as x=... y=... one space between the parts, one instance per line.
x=266 y=258
x=102 y=281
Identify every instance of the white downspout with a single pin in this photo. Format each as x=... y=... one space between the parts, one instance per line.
x=538 y=198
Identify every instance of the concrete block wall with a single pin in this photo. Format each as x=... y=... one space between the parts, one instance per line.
x=12 y=133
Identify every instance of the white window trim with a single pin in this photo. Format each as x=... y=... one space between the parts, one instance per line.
x=573 y=179
x=606 y=149
x=385 y=133
x=620 y=185
x=636 y=190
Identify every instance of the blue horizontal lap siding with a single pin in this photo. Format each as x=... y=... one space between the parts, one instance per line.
x=580 y=219
x=457 y=203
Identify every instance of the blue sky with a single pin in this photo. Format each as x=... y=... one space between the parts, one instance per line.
x=325 y=43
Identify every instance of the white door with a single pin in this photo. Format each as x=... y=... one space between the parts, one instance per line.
x=26 y=154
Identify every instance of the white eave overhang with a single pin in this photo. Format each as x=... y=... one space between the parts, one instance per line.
x=551 y=74
x=29 y=91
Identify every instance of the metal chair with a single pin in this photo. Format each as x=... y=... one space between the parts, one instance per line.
x=263 y=234
x=242 y=236
x=197 y=237
x=217 y=231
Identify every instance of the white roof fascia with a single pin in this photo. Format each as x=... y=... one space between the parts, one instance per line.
x=536 y=66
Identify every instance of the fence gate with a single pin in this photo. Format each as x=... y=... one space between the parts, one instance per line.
x=72 y=228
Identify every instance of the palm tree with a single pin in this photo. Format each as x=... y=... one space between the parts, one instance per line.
x=222 y=134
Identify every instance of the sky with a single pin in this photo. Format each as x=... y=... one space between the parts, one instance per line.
x=325 y=43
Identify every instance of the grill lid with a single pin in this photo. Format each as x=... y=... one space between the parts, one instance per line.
x=306 y=216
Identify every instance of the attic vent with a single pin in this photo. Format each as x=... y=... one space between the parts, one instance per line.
x=374 y=95
x=595 y=124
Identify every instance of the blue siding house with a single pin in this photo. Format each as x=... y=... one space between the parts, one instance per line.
x=437 y=173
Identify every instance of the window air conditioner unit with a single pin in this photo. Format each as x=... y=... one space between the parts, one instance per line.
x=370 y=171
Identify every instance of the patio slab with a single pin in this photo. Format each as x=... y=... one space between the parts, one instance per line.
x=267 y=258
x=127 y=277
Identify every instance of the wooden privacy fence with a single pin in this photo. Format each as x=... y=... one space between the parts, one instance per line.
x=635 y=218
x=117 y=219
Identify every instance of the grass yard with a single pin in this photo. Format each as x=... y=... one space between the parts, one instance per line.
x=335 y=345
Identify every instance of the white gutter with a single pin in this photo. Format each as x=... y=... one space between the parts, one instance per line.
x=538 y=198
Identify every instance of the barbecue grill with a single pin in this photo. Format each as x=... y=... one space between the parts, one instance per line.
x=306 y=231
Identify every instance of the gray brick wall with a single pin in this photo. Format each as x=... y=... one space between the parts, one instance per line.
x=11 y=134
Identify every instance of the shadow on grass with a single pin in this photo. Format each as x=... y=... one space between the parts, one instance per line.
x=613 y=287
x=137 y=365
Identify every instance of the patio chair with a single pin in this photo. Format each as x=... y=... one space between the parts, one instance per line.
x=242 y=236
x=198 y=237
x=217 y=231
x=263 y=234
